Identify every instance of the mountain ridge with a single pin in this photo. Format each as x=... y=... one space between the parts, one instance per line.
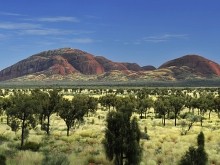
x=74 y=64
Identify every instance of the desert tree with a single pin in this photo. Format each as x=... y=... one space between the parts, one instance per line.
x=5 y=104
x=196 y=156
x=1 y=105
x=161 y=107
x=143 y=105
x=211 y=104
x=122 y=137
x=190 y=120
x=217 y=105
x=188 y=102
x=92 y=104
x=205 y=103
x=24 y=111
x=71 y=112
x=43 y=100
x=177 y=104
x=51 y=106
x=108 y=101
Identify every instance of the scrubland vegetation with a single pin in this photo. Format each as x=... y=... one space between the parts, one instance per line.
x=69 y=126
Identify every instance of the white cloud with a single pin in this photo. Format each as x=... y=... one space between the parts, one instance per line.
x=17 y=26
x=164 y=37
x=43 y=32
x=10 y=14
x=57 y=19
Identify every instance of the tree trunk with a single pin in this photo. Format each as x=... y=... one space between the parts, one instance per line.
x=141 y=116
x=190 y=125
x=117 y=160
x=164 y=120
x=7 y=120
x=121 y=159
x=41 y=119
x=201 y=121
x=175 y=118
x=210 y=114
x=145 y=115
x=22 y=132
x=68 y=130
x=48 y=125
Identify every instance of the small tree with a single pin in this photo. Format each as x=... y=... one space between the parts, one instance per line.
x=144 y=105
x=108 y=101
x=24 y=111
x=43 y=100
x=217 y=105
x=51 y=106
x=190 y=120
x=69 y=113
x=92 y=105
x=201 y=140
x=162 y=107
x=196 y=156
x=2 y=159
x=177 y=102
x=122 y=137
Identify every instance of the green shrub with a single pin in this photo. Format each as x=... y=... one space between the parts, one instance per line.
x=2 y=160
x=172 y=115
x=33 y=146
x=185 y=115
x=2 y=139
x=56 y=159
x=145 y=136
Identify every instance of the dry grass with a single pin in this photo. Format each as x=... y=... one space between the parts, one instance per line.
x=166 y=145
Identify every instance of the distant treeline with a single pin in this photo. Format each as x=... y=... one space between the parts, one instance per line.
x=141 y=83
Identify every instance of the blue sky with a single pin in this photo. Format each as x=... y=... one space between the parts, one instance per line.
x=141 y=31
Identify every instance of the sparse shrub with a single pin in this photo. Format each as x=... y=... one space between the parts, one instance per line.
x=196 y=156
x=33 y=146
x=93 y=121
x=185 y=115
x=158 y=150
x=91 y=160
x=14 y=125
x=56 y=159
x=145 y=136
x=2 y=160
x=145 y=129
x=96 y=160
x=3 y=138
x=172 y=115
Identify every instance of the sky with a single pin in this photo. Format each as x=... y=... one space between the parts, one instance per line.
x=146 y=32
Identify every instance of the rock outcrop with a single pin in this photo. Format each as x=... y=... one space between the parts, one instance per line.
x=196 y=64
x=64 y=61
x=73 y=64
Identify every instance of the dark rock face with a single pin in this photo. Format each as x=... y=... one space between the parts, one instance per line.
x=197 y=63
x=132 y=66
x=108 y=65
x=50 y=64
x=148 y=68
